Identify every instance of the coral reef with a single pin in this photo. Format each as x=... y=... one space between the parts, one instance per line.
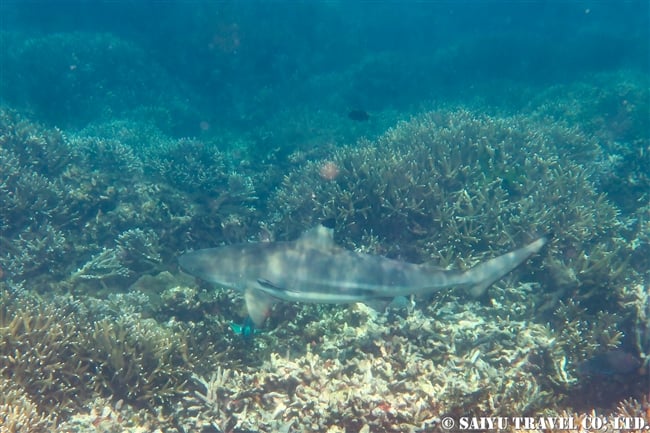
x=136 y=360
x=39 y=356
x=103 y=416
x=136 y=251
x=57 y=357
x=83 y=209
x=445 y=185
x=398 y=374
x=613 y=108
x=449 y=179
x=220 y=198
x=18 y=413
x=184 y=128
x=635 y=300
x=117 y=340
x=349 y=369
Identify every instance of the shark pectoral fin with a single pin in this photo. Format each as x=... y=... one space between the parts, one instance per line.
x=479 y=289
x=258 y=305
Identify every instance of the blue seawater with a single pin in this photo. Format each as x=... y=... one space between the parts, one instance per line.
x=426 y=131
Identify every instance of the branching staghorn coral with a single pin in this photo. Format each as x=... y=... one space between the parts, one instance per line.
x=451 y=184
x=635 y=300
x=63 y=353
x=69 y=203
x=104 y=265
x=42 y=199
x=580 y=336
x=18 y=412
x=387 y=374
x=34 y=252
x=136 y=250
x=39 y=355
x=140 y=249
x=219 y=198
x=137 y=360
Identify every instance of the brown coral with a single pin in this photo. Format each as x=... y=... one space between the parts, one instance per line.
x=449 y=184
x=39 y=356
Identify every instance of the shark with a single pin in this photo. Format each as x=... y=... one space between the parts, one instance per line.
x=314 y=269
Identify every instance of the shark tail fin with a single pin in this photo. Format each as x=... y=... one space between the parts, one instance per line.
x=489 y=272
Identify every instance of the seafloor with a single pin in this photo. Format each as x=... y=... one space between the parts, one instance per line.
x=101 y=332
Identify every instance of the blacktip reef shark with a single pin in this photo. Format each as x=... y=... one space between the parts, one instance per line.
x=314 y=269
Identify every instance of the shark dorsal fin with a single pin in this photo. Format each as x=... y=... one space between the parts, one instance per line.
x=319 y=237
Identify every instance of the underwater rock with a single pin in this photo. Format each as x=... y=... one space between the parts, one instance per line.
x=611 y=363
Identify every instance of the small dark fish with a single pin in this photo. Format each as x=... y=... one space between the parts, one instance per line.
x=358 y=115
x=612 y=363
